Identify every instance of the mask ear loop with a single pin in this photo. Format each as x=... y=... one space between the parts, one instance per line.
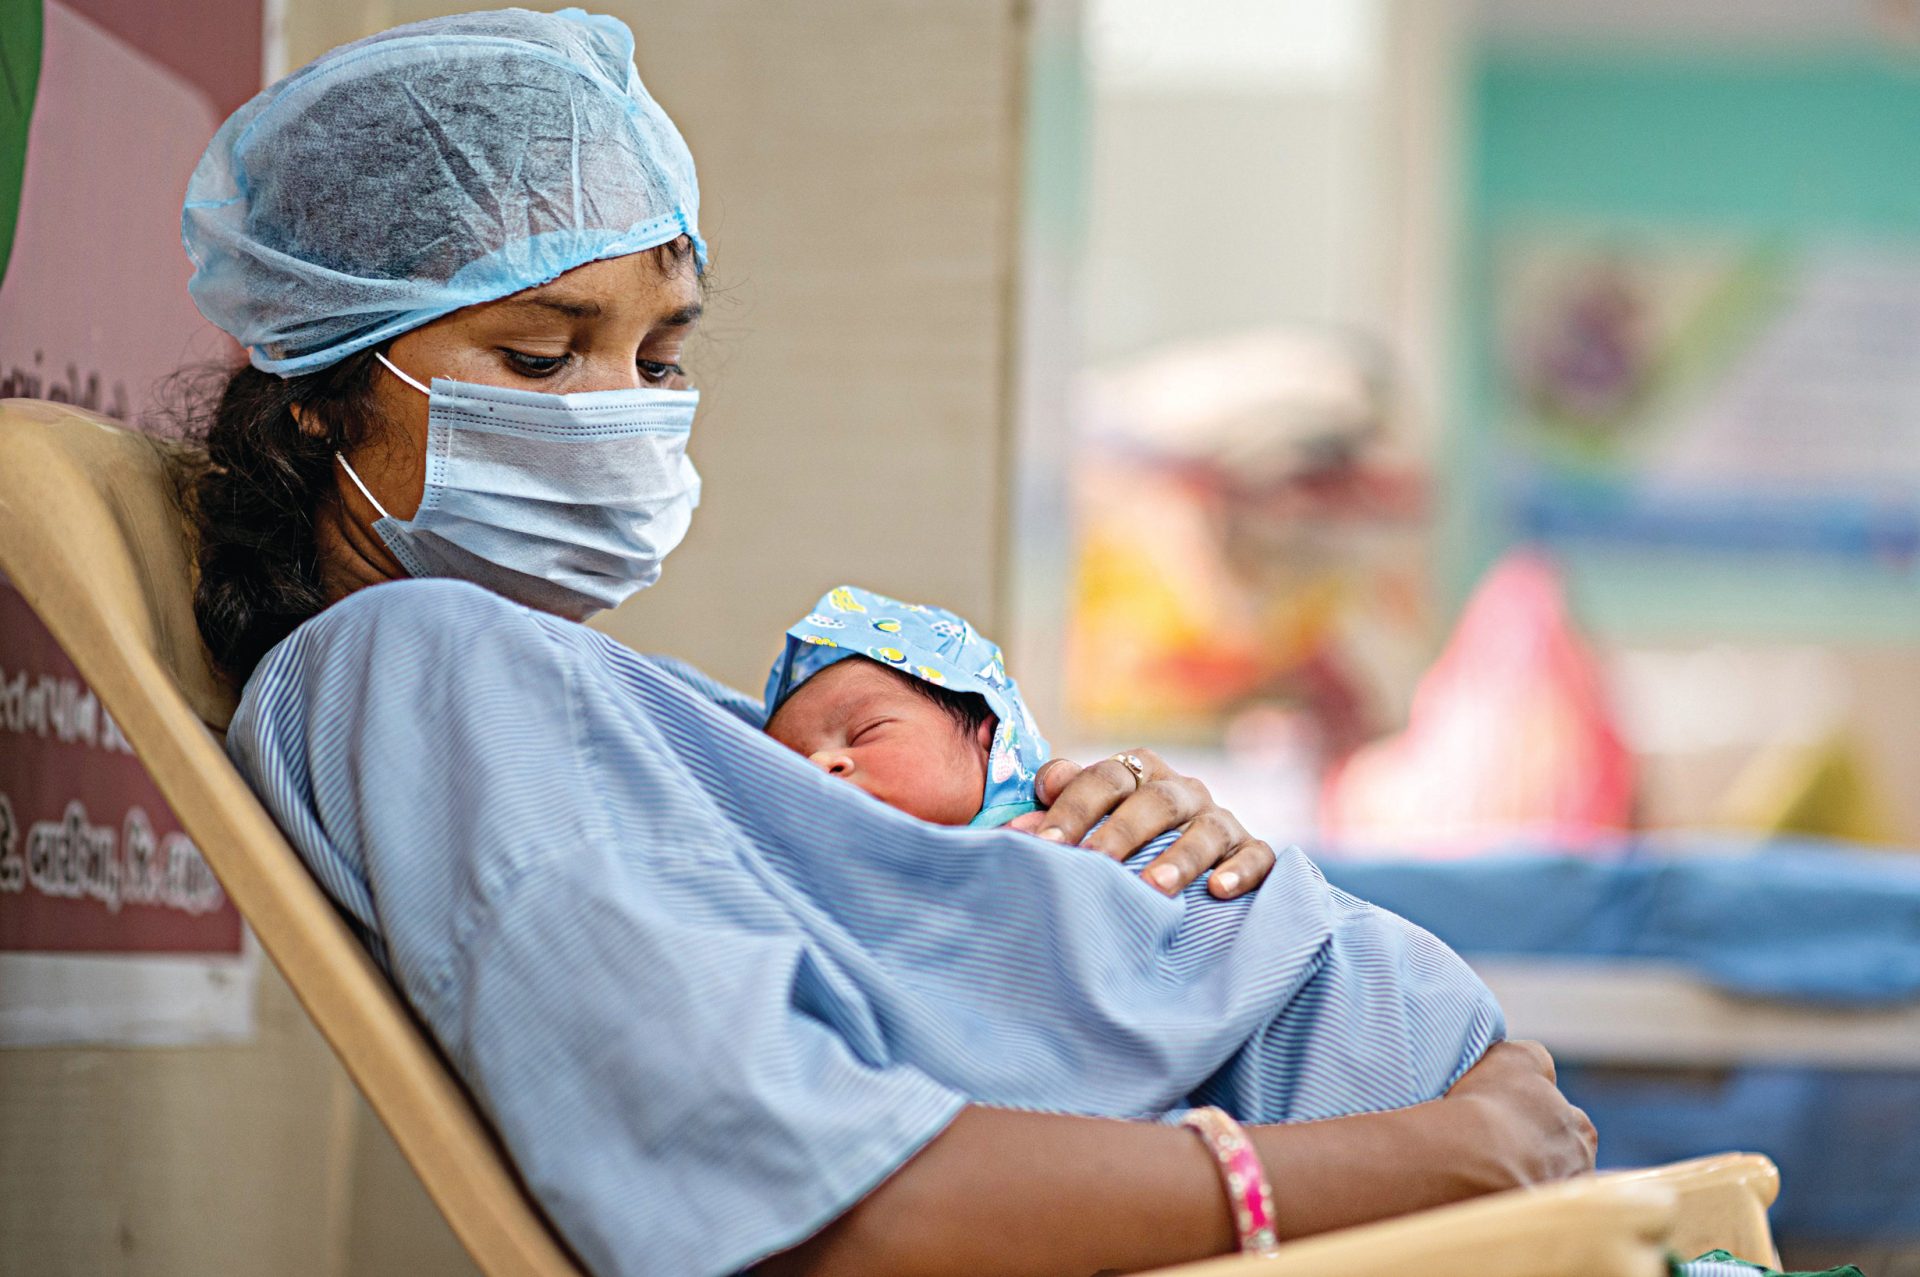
x=381 y=356
x=345 y=465
x=371 y=499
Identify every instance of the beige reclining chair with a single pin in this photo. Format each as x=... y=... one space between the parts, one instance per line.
x=91 y=536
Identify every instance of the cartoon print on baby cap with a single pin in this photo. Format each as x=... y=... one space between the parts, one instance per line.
x=931 y=644
x=1003 y=764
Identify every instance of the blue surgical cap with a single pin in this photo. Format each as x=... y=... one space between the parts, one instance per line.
x=430 y=167
x=934 y=646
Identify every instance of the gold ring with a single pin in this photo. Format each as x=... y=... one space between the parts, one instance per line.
x=1133 y=764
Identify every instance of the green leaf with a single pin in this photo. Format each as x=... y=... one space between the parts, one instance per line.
x=21 y=23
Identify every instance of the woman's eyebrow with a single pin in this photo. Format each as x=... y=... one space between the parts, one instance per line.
x=576 y=307
x=588 y=308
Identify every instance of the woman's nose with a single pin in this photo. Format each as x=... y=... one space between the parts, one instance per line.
x=833 y=762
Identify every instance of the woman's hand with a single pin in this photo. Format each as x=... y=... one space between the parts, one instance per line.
x=1076 y=797
x=1517 y=1127
x=1502 y=1126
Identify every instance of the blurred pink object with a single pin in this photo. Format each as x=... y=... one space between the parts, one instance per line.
x=1510 y=736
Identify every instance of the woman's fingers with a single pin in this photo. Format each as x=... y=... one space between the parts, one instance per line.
x=1533 y=1134
x=1052 y=778
x=1157 y=806
x=1138 y=810
x=1252 y=860
x=1081 y=797
x=1215 y=840
x=1539 y=1056
x=1027 y=822
x=1589 y=1138
x=1207 y=840
x=1574 y=1153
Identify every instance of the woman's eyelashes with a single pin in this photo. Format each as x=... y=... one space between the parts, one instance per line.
x=534 y=365
x=653 y=372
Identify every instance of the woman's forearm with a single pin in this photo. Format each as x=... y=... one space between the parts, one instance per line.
x=1502 y=1125
x=1354 y=1170
x=1030 y=1193
x=1020 y=1193
x=1033 y=1193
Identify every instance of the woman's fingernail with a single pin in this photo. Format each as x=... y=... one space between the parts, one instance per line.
x=1227 y=880
x=1165 y=876
x=1052 y=835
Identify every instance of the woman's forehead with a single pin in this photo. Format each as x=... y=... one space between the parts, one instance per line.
x=651 y=284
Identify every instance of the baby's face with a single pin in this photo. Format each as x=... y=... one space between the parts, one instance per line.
x=863 y=722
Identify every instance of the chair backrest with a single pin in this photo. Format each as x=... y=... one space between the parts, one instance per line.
x=92 y=537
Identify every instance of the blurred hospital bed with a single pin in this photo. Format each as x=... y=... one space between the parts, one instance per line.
x=1702 y=992
x=1637 y=1012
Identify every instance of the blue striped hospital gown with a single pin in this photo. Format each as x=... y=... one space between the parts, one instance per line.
x=710 y=996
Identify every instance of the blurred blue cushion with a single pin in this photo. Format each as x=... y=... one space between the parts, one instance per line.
x=1819 y=922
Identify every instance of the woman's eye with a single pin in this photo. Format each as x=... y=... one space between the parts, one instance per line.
x=655 y=371
x=534 y=365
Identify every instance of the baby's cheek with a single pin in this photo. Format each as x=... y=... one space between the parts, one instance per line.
x=957 y=801
x=947 y=797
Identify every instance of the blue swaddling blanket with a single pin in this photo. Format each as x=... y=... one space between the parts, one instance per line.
x=709 y=995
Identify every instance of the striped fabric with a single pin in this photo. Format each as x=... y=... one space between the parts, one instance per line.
x=710 y=996
x=1718 y=1263
x=1704 y=1267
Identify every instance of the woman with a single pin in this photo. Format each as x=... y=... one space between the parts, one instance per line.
x=721 y=1009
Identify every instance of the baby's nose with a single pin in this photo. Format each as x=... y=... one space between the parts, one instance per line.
x=833 y=762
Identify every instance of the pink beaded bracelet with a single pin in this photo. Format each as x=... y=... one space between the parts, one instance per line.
x=1248 y=1192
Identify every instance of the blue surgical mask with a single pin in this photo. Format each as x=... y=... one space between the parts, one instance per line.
x=567 y=503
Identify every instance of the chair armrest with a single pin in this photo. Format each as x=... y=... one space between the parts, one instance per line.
x=1591 y=1227
x=1723 y=1203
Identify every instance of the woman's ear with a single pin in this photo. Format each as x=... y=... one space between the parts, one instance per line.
x=308 y=421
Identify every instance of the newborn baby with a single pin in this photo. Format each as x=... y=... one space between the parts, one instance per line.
x=912 y=705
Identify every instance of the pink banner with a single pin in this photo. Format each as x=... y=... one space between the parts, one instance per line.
x=92 y=859
x=94 y=311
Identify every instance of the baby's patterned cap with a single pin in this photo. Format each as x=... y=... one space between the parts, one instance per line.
x=927 y=643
